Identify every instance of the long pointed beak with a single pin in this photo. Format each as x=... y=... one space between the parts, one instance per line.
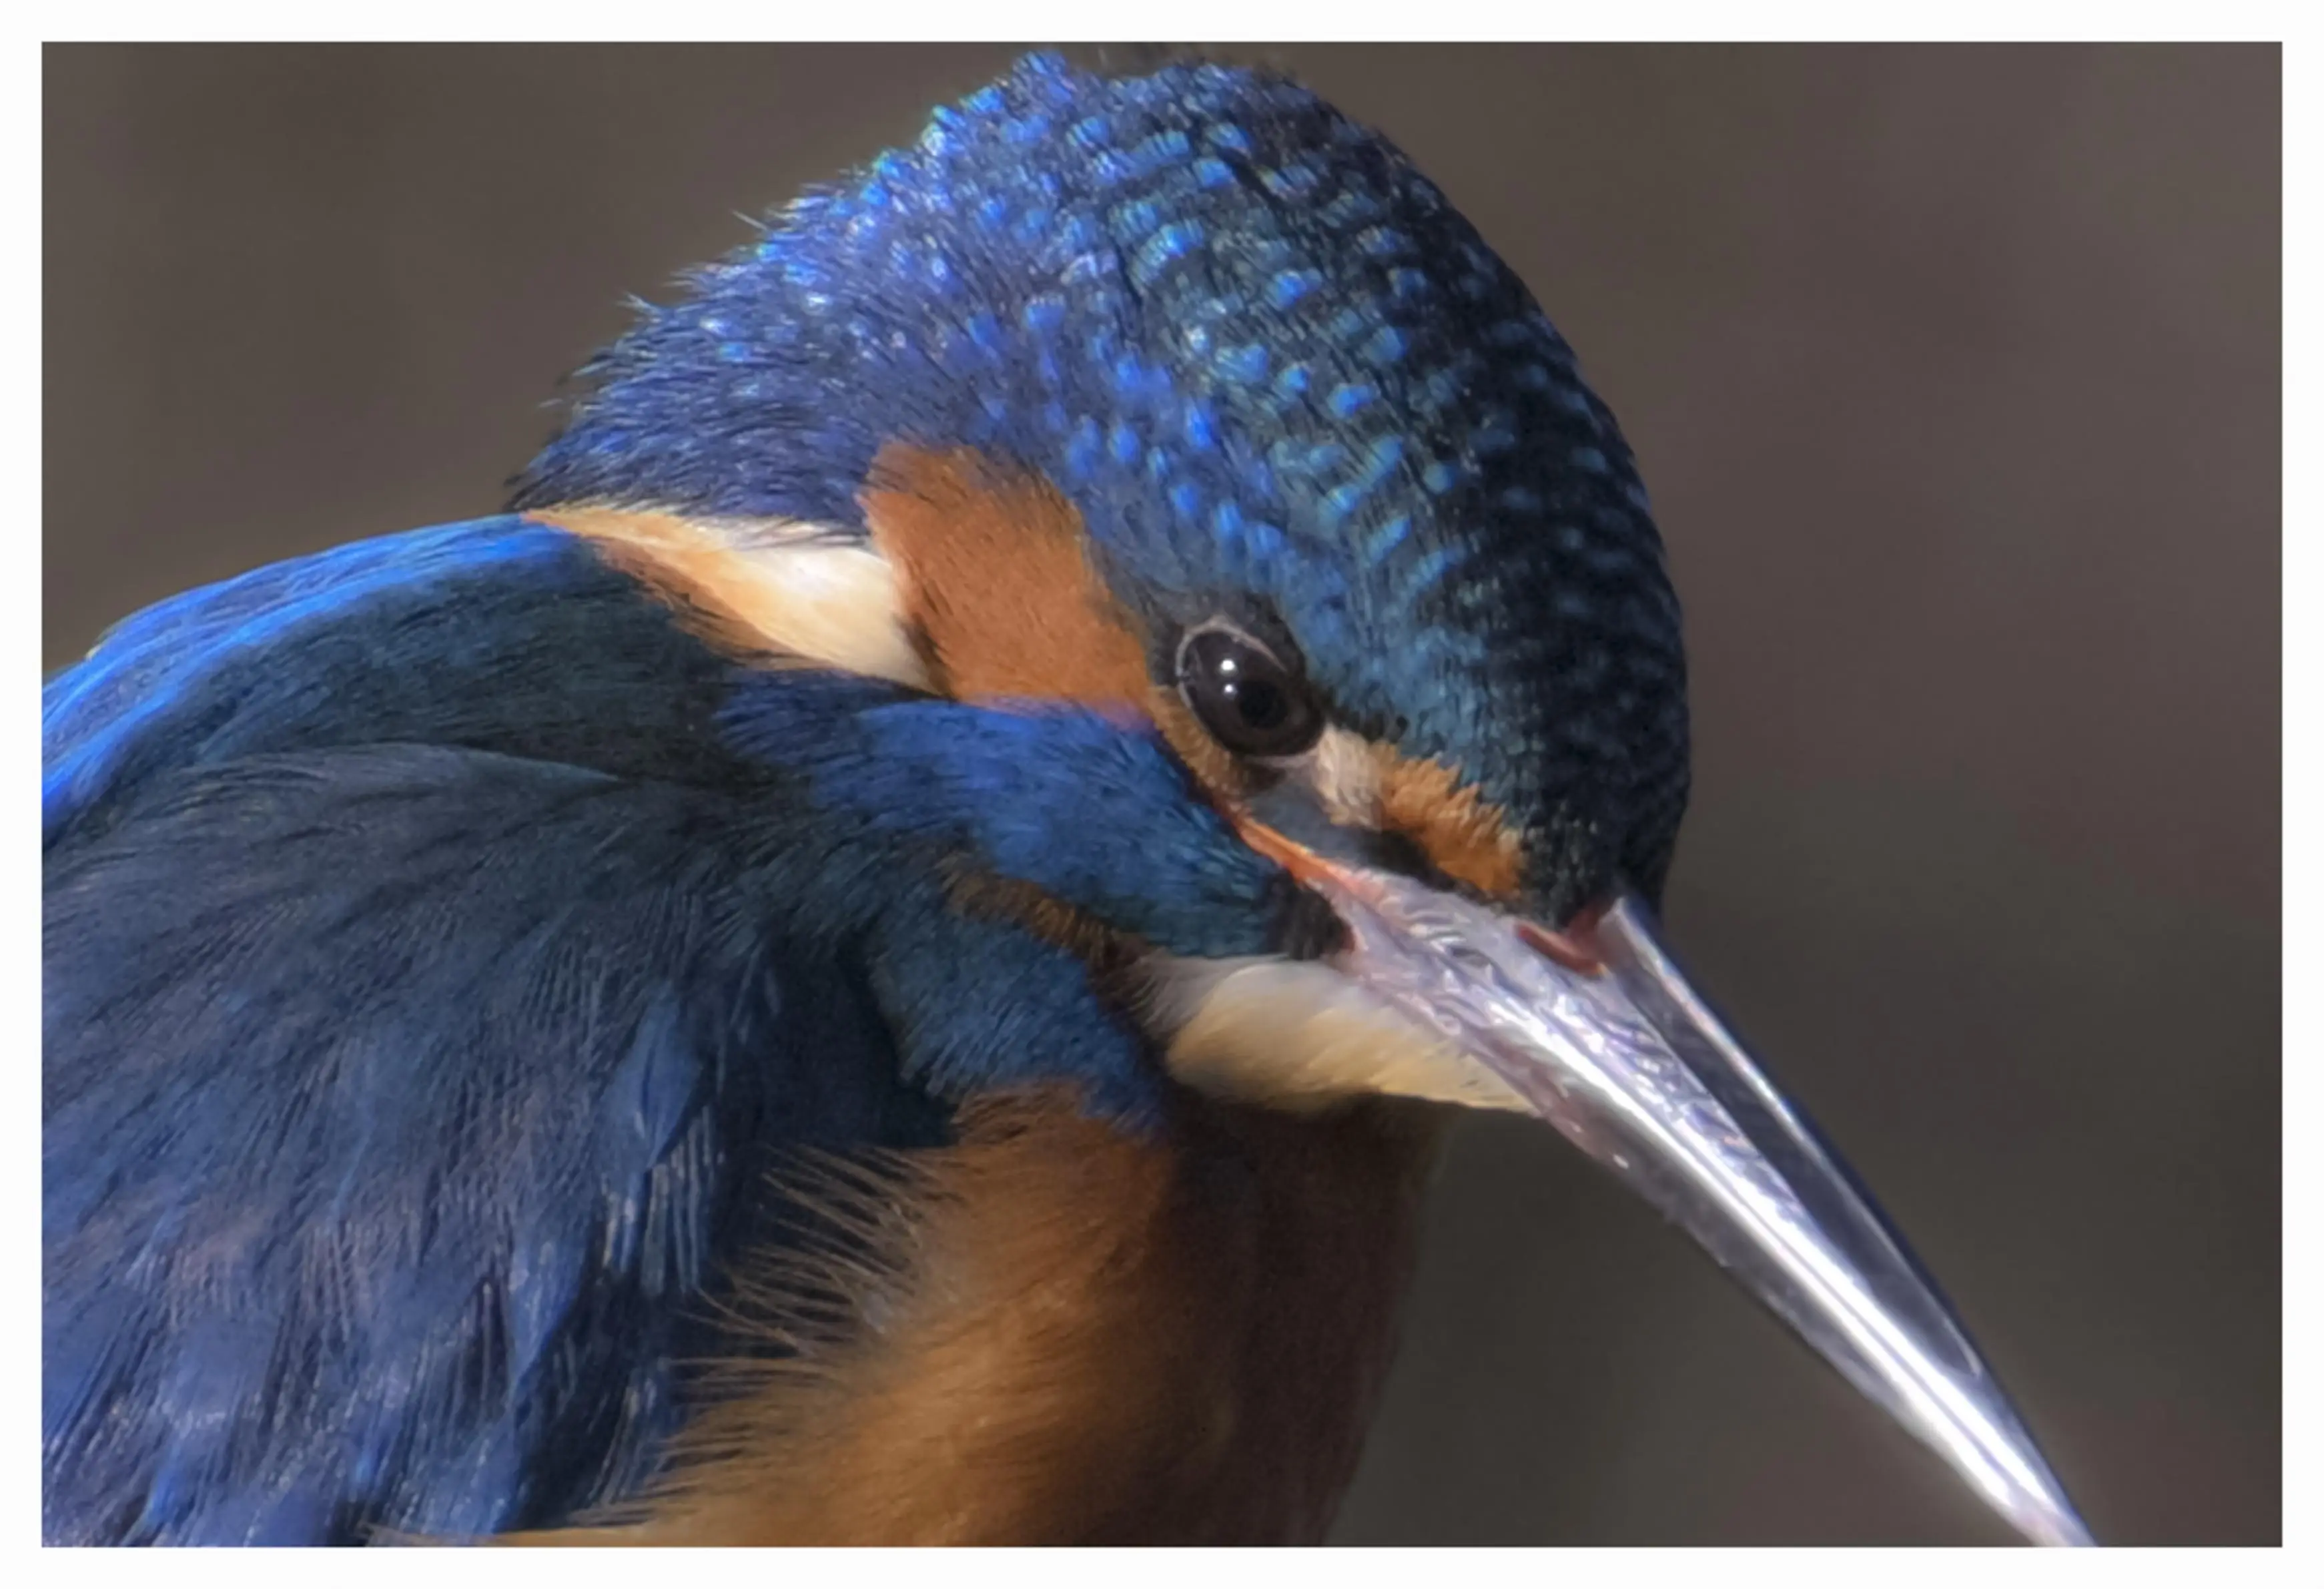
x=1600 y=1033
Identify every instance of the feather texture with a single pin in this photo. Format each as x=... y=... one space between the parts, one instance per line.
x=436 y=967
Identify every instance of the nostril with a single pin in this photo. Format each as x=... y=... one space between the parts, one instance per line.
x=1575 y=945
x=1394 y=850
x=1306 y=928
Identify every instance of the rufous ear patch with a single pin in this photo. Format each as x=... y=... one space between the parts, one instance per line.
x=1463 y=832
x=999 y=591
x=996 y=581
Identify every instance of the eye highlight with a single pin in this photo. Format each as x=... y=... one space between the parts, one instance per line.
x=1248 y=700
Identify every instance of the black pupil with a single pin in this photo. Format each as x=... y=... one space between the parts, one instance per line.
x=1262 y=705
x=1245 y=697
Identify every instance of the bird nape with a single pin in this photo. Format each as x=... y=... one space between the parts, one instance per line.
x=878 y=958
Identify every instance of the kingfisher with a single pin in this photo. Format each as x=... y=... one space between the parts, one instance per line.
x=881 y=956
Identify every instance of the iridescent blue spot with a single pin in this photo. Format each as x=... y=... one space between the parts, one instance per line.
x=1380 y=459
x=1294 y=181
x=1264 y=541
x=1027 y=129
x=891 y=167
x=1044 y=314
x=986 y=101
x=1057 y=81
x=1227 y=135
x=939 y=272
x=1211 y=171
x=1185 y=499
x=1226 y=522
x=1406 y=283
x=1289 y=287
x=1291 y=380
x=1200 y=432
x=1110 y=169
x=1570 y=603
x=1590 y=459
x=735 y=353
x=1355 y=395
x=1247 y=364
x=1164 y=245
x=1124 y=444
x=1082 y=451
x=992 y=214
x=1092 y=132
x=1440 y=477
x=1533 y=378
x=1571 y=539
x=1054 y=418
x=1495 y=435
x=1385 y=537
x=1326 y=457
x=1136 y=218
x=1386 y=347
x=1576 y=401
x=1346 y=324
x=1160 y=150
x=1338 y=504
x=1134 y=378
x=1519 y=499
x=1431 y=567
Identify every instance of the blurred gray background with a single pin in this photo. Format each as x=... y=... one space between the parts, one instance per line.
x=1955 y=373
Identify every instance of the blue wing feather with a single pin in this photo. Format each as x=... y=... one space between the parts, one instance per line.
x=441 y=946
x=499 y=634
x=438 y=1086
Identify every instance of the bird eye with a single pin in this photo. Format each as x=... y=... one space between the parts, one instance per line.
x=1251 y=703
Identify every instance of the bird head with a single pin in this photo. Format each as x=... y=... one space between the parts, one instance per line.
x=1181 y=417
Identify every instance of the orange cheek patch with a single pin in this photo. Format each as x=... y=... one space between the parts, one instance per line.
x=996 y=581
x=997 y=585
x=1465 y=833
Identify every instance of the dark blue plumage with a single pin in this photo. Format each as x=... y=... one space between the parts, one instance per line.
x=434 y=955
x=1275 y=370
